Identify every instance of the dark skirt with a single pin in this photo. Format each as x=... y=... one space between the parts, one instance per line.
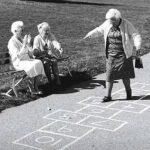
x=118 y=67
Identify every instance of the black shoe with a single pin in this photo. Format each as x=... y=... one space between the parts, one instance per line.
x=106 y=99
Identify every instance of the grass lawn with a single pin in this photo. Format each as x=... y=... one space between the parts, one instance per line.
x=69 y=22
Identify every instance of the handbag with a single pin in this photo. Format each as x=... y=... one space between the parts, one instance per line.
x=43 y=55
x=138 y=63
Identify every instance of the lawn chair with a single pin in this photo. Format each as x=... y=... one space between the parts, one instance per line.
x=6 y=69
x=65 y=61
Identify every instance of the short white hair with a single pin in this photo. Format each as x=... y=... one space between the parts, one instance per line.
x=43 y=26
x=16 y=26
x=113 y=13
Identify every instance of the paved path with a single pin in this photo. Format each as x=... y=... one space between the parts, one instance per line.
x=77 y=120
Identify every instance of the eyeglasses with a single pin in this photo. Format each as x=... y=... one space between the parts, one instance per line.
x=113 y=19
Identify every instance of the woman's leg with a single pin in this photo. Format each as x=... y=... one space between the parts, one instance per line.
x=36 y=81
x=47 y=69
x=55 y=71
x=109 y=86
x=126 y=83
x=31 y=85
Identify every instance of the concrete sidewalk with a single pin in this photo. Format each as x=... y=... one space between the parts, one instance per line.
x=76 y=118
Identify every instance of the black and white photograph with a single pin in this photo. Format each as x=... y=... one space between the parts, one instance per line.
x=74 y=74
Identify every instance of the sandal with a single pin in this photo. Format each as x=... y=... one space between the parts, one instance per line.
x=39 y=92
x=106 y=99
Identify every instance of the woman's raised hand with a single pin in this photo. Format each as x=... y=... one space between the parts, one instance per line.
x=25 y=40
x=29 y=39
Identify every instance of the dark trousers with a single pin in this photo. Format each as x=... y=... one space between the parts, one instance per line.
x=47 y=68
x=50 y=66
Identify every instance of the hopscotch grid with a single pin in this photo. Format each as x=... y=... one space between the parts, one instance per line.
x=92 y=105
x=134 y=112
x=56 y=142
x=103 y=118
x=108 y=107
x=103 y=128
x=61 y=110
x=45 y=117
x=71 y=123
x=61 y=134
x=25 y=145
x=77 y=123
x=128 y=103
x=48 y=125
x=75 y=141
x=23 y=137
x=120 y=126
x=82 y=101
x=87 y=116
x=87 y=106
x=83 y=119
x=80 y=122
x=111 y=105
x=141 y=99
x=17 y=141
x=115 y=114
x=144 y=110
x=113 y=109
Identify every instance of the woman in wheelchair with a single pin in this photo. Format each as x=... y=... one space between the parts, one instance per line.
x=47 y=49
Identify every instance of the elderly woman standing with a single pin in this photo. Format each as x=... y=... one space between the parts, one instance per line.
x=48 y=50
x=120 y=36
x=19 y=49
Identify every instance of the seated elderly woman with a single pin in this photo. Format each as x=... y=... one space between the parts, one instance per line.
x=48 y=50
x=19 y=49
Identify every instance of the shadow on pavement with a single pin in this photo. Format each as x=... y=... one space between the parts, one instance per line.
x=134 y=98
x=146 y=98
x=91 y=84
x=73 y=2
x=78 y=81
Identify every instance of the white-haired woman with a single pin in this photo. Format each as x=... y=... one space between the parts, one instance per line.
x=48 y=49
x=120 y=36
x=19 y=49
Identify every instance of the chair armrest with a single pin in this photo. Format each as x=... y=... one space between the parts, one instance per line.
x=63 y=59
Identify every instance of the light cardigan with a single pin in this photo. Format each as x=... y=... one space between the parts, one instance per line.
x=53 y=45
x=18 y=51
x=130 y=36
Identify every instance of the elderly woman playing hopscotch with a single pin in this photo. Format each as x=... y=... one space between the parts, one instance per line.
x=120 y=37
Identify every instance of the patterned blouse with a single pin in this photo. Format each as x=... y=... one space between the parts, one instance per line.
x=114 y=42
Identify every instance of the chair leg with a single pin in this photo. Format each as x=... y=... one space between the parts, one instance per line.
x=68 y=70
x=13 y=88
x=6 y=94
